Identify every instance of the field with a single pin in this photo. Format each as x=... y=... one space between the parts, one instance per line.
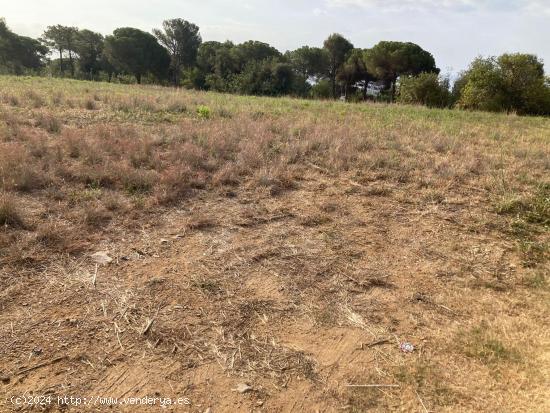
x=285 y=244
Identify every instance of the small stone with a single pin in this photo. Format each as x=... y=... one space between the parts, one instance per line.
x=164 y=241
x=260 y=403
x=243 y=388
x=102 y=258
x=209 y=410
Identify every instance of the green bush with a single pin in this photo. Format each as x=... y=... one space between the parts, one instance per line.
x=204 y=112
x=509 y=83
x=321 y=90
x=425 y=89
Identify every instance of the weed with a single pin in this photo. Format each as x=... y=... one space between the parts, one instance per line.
x=51 y=235
x=537 y=281
x=480 y=344
x=204 y=112
x=10 y=214
x=97 y=217
x=315 y=220
x=90 y=104
x=534 y=209
x=49 y=123
x=208 y=286
x=534 y=252
x=200 y=223
x=13 y=100
x=136 y=181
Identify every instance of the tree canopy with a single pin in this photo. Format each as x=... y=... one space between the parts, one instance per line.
x=89 y=48
x=62 y=39
x=511 y=82
x=338 y=49
x=390 y=60
x=137 y=52
x=354 y=71
x=310 y=62
x=182 y=40
x=18 y=53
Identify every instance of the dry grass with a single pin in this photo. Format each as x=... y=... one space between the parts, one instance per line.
x=284 y=243
x=10 y=215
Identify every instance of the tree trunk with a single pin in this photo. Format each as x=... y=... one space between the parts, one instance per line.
x=138 y=78
x=177 y=76
x=71 y=62
x=61 y=62
x=392 y=90
x=333 y=80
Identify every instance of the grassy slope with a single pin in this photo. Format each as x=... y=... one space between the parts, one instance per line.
x=271 y=240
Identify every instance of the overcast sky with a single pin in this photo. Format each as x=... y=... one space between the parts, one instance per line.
x=455 y=31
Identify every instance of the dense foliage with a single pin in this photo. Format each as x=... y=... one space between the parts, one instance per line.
x=19 y=53
x=511 y=82
x=176 y=54
x=426 y=89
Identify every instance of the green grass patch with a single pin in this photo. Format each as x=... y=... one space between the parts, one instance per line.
x=533 y=209
x=479 y=343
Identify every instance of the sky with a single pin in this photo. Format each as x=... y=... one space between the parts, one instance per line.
x=454 y=31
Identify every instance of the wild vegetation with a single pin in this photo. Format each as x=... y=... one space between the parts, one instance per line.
x=177 y=55
x=288 y=244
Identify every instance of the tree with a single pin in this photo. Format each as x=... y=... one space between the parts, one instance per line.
x=524 y=82
x=89 y=47
x=484 y=89
x=229 y=67
x=458 y=87
x=425 y=89
x=269 y=77
x=182 y=39
x=216 y=63
x=284 y=80
x=62 y=38
x=354 y=71
x=136 y=52
x=310 y=62
x=338 y=49
x=253 y=51
x=389 y=60
x=19 y=52
x=511 y=82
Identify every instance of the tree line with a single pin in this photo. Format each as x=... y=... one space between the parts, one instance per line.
x=176 y=54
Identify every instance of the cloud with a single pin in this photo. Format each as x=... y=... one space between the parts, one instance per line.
x=538 y=6
x=320 y=12
x=535 y=6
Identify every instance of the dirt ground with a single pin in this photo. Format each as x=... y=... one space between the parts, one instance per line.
x=290 y=296
x=262 y=295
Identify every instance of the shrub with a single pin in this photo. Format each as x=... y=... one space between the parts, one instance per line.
x=425 y=89
x=509 y=83
x=89 y=104
x=321 y=90
x=17 y=170
x=97 y=217
x=204 y=112
x=49 y=123
x=9 y=213
x=136 y=181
